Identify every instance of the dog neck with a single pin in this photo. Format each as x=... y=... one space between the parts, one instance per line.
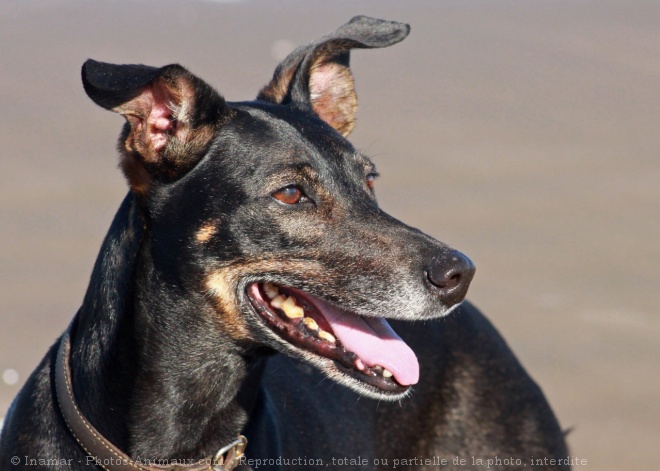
x=143 y=374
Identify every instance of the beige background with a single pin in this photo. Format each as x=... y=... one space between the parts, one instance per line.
x=526 y=134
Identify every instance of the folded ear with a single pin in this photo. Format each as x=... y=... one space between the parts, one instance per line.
x=317 y=77
x=171 y=117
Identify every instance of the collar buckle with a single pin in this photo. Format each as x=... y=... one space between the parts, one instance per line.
x=229 y=456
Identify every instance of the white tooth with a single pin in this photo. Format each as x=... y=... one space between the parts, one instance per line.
x=277 y=301
x=327 y=336
x=359 y=365
x=387 y=373
x=311 y=323
x=289 y=302
x=291 y=309
x=295 y=312
x=271 y=290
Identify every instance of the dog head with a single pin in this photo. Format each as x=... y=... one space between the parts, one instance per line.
x=263 y=216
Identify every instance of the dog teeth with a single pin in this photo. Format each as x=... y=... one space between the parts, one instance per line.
x=291 y=309
x=311 y=324
x=271 y=290
x=277 y=301
x=289 y=302
x=289 y=305
x=296 y=312
x=382 y=371
x=323 y=335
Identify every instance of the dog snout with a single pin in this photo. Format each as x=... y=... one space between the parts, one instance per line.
x=451 y=274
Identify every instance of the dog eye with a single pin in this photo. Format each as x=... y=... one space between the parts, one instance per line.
x=289 y=195
x=371 y=180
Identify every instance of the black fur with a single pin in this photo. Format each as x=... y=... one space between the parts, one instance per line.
x=170 y=359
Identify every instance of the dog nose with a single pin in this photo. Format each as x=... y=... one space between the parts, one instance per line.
x=451 y=273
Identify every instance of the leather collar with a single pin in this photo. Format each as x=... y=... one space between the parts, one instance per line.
x=106 y=455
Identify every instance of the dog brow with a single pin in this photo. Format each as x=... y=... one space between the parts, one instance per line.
x=365 y=161
x=304 y=169
x=206 y=231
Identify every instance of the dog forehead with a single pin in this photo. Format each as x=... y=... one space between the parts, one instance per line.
x=276 y=136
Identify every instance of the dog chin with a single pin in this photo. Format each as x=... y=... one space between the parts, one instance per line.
x=445 y=311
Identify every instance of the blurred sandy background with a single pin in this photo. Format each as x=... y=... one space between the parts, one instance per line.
x=526 y=134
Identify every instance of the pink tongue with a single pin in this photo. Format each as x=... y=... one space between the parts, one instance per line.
x=374 y=341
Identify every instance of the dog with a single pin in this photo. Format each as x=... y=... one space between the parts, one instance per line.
x=242 y=292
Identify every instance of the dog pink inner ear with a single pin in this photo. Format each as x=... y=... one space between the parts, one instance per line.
x=160 y=122
x=332 y=93
x=157 y=115
x=151 y=122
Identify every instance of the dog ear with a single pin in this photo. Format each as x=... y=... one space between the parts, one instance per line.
x=171 y=116
x=316 y=77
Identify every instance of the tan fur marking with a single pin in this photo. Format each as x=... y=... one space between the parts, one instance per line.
x=207 y=231
x=137 y=176
x=221 y=286
x=277 y=89
x=222 y=283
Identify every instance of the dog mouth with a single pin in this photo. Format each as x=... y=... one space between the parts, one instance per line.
x=365 y=348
